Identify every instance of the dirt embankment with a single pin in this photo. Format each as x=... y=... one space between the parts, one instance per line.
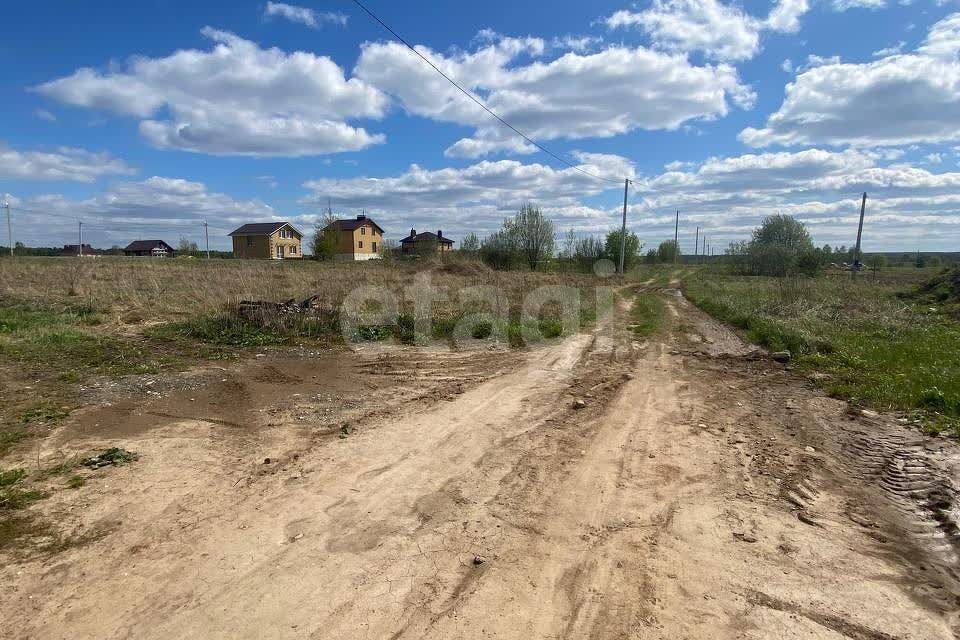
x=594 y=488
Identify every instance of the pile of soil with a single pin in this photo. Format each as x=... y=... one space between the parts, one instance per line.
x=942 y=290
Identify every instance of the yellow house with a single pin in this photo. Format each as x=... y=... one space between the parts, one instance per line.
x=267 y=241
x=359 y=239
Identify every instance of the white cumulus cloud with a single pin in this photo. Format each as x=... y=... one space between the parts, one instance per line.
x=721 y=31
x=574 y=96
x=64 y=164
x=234 y=99
x=895 y=100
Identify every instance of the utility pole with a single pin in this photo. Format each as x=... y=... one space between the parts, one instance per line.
x=676 y=239
x=623 y=225
x=206 y=236
x=856 y=252
x=704 y=251
x=696 y=246
x=9 y=227
x=80 y=246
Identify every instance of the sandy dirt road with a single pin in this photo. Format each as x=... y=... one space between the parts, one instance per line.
x=598 y=487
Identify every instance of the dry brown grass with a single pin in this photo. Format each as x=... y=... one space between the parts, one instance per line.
x=134 y=291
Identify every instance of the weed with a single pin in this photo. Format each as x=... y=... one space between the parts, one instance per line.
x=11 y=477
x=218 y=330
x=111 y=456
x=482 y=330
x=12 y=497
x=372 y=333
x=75 y=482
x=646 y=313
x=43 y=414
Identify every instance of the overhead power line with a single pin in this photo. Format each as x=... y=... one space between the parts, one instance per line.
x=477 y=100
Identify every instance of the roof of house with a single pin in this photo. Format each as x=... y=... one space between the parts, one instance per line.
x=146 y=245
x=426 y=235
x=262 y=229
x=350 y=224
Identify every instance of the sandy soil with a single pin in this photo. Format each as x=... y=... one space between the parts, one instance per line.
x=682 y=487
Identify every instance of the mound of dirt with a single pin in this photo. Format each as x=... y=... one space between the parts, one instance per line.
x=942 y=290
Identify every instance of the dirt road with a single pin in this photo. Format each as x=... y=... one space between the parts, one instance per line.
x=599 y=487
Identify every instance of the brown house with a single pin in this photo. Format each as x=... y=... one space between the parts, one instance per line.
x=267 y=241
x=75 y=250
x=358 y=239
x=426 y=242
x=151 y=248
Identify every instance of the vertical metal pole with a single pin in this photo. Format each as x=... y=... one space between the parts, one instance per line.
x=206 y=235
x=80 y=246
x=623 y=225
x=856 y=252
x=9 y=228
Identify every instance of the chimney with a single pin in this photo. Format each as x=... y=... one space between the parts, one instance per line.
x=361 y=216
x=439 y=233
x=413 y=232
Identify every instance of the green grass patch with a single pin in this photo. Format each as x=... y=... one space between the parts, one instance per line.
x=877 y=347
x=12 y=495
x=44 y=414
x=221 y=330
x=646 y=313
x=44 y=338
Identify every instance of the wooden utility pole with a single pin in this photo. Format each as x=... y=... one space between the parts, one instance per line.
x=856 y=252
x=206 y=236
x=676 y=239
x=623 y=225
x=9 y=228
x=80 y=246
x=696 y=246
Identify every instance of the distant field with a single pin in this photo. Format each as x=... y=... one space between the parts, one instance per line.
x=874 y=345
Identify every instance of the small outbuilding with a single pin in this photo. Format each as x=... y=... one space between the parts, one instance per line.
x=149 y=248
x=267 y=241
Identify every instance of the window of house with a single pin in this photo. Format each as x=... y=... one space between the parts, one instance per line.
x=373 y=246
x=293 y=250
x=249 y=241
x=363 y=231
x=280 y=251
x=360 y=244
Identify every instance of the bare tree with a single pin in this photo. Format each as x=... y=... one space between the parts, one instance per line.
x=534 y=233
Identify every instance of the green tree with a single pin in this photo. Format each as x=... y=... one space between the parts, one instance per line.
x=323 y=243
x=470 y=244
x=187 y=247
x=875 y=262
x=781 y=245
x=534 y=233
x=631 y=253
x=499 y=250
x=652 y=257
x=668 y=251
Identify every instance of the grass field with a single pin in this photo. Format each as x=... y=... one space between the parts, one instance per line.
x=875 y=342
x=63 y=320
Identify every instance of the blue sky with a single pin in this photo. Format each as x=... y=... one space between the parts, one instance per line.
x=146 y=118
